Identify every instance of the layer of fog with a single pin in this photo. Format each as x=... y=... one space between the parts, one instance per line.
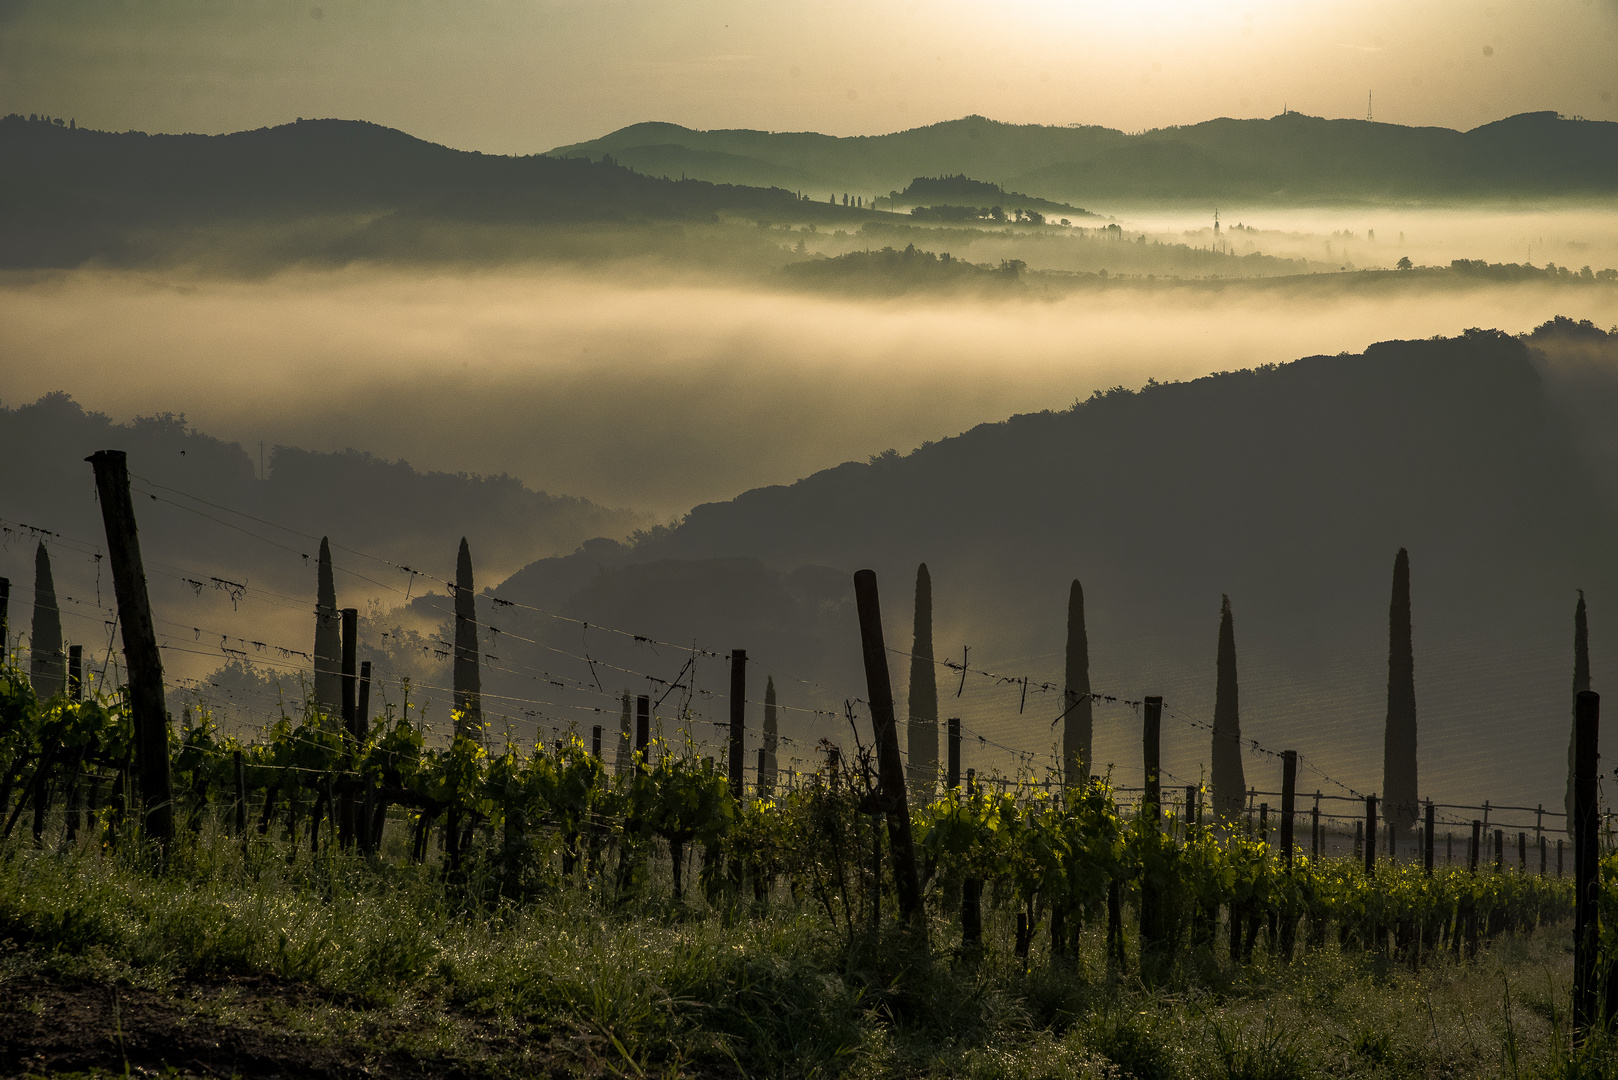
x=1370 y=237
x=652 y=396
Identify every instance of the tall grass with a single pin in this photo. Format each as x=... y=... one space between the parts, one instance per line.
x=654 y=985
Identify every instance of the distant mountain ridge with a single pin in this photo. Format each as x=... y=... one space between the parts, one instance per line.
x=1286 y=158
x=70 y=195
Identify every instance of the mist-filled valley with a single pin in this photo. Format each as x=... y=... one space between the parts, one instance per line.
x=578 y=367
x=945 y=540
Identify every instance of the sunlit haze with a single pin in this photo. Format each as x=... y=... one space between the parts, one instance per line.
x=520 y=76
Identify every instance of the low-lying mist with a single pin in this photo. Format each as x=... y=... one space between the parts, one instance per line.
x=661 y=393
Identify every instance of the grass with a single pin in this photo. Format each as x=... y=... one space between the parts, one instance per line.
x=378 y=963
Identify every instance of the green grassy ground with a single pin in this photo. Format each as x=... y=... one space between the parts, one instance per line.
x=233 y=965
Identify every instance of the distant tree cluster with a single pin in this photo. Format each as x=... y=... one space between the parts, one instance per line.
x=34 y=118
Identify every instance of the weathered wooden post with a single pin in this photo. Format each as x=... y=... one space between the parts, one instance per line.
x=343 y=810
x=1499 y=850
x=1559 y=843
x=1152 y=744
x=595 y=742
x=1317 y=839
x=738 y=719
x=954 y=751
x=643 y=723
x=1427 y=840
x=1522 y=852
x=241 y=798
x=372 y=811
x=1472 y=853
x=1264 y=823
x=1542 y=856
x=144 y=662
x=5 y=619
x=75 y=672
x=1289 y=797
x=1370 y=836
x=1586 y=868
x=890 y=765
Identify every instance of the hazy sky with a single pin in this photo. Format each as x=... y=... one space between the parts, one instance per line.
x=525 y=75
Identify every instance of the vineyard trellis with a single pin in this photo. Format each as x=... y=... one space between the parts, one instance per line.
x=1058 y=857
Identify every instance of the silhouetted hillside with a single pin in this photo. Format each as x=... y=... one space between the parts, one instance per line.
x=1288 y=158
x=68 y=195
x=1289 y=488
x=960 y=190
x=386 y=508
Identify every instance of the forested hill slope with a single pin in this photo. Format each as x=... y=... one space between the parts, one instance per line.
x=1289 y=488
x=1287 y=158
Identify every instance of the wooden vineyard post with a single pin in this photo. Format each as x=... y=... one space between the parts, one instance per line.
x=1152 y=745
x=761 y=782
x=1427 y=840
x=1264 y=823
x=1151 y=904
x=5 y=616
x=1586 y=870
x=75 y=672
x=1472 y=850
x=343 y=811
x=595 y=742
x=1499 y=850
x=372 y=811
x=1317 y=841
x=1559 y=858
x=643 y=723
x=1542 y=856
x=954 y=775
x=1370 y=836
x=890 y=765
x=1289 y=798
x=1522 y=852
x=738 y=719
x=144 y=662
x=241 y=798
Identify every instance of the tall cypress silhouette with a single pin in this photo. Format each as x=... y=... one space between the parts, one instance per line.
x=1077 y=725
x=1399 y=747
x=766 y=782
x=468 y=680
x=1581 y=681
x=328 y=638
x=1229 y=784
x=47 y=660
x=923 y=777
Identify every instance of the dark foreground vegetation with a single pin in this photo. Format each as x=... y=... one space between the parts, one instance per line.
x=534 y=912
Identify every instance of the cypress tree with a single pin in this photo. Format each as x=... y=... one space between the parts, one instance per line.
x=1581 y=681
x=1077 y=727
x=1229 y=785
x=923 y=778
x=47 y=663
x=766 y=783
x=328 y=638
x=468 y=682
x=1399 y=748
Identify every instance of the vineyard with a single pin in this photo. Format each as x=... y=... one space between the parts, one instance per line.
x=639 y=907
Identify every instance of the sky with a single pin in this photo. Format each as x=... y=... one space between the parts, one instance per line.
x=522 y=76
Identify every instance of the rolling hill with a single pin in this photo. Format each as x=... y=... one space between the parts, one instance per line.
x=1290 y=158
x=1288 y=488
